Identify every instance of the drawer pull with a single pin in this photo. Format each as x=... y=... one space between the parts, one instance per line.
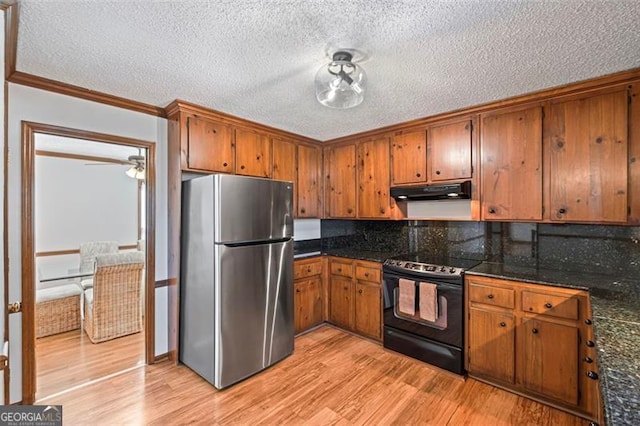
x=503 y=324
x=548 y=305
x=562 y=211
x=492 y=210
x=346 y=288
x=339 y=269
x=590 y=343
x=297 y=290
x=588 y=360
x=534 y=331
x=360 y=291
x=309 y=269
x=588 y=322
x=224 y=164
x=490 y=296
x=592 y=375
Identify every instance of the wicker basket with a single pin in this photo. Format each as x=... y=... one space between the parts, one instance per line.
x=57 y=315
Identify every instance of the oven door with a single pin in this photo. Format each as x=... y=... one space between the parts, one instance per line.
x=448 y=327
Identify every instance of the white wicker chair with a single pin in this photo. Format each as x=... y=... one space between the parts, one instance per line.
x=112 y=307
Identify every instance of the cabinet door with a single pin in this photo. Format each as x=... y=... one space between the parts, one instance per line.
x=373 y=179
x=209 y=146
x=588 y=159
x=340 y=190
x=492 y=345
x=511 y=164
x=550 y=364
x=367 y=310
x=284 y=164
x=341 y=290
x=409 y=152
x=253 y=153
x=308 y=303
x=450 y=151
x=309 y=176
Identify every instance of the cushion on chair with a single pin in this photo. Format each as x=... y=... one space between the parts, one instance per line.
x=89 y=250
x=88 y=297
x=123 y=258
x=86 y=283
x=58 y=292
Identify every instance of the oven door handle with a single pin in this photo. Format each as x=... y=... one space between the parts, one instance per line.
x=439 y=284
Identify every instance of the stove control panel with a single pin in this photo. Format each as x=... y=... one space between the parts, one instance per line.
x=424 y=268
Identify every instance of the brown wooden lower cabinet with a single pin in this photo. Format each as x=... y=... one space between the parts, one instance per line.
x=308 y=297
x=535 y=340
x=355 y=296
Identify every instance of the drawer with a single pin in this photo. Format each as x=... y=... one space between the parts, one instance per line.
x=556 y=305
x=342 y=269
x=494 y=296
x=368 y=274
x=303 y=270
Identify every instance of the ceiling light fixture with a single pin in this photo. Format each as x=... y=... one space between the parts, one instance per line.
x=340 y=83
x=137 y=170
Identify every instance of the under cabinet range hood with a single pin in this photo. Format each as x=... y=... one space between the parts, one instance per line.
x=451 y=191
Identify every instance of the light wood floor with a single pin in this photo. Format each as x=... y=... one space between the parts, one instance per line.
x=332 y=378
x=70 y=359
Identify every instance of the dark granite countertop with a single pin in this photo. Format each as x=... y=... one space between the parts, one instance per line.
x=615 y=302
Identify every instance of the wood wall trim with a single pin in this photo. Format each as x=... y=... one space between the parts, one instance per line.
x=161 y=357
x=28 y=246
x=162 y=283
x=180 y=106
x=25 y=79
x=65 y=252
x=10 y=38
x=581 y=87
x=71 y=156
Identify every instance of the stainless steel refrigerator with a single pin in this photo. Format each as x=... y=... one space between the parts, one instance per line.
x=236 y=287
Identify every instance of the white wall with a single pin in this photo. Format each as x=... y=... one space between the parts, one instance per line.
x=40 y=106
x=76 y=202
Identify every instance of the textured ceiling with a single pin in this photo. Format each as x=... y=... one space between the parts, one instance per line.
x=258 y=59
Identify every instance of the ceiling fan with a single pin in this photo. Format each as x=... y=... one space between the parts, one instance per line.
x=137 y=163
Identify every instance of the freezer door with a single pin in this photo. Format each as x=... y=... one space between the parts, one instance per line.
x=254 y=309
x=252 y=209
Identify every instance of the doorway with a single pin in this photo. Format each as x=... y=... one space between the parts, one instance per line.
x=137 y=159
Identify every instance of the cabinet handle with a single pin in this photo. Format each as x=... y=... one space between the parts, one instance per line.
x=224 y=164
x=588 y=321
x=360 y=291
x=562 y=211
x=503 y=324
x=492 y=210
x=302 y=210
x=437 y=172
x=349 y=211
x=297 y=290
x=346 y=287
x=534 y=331
x=592 y=375
x=590 y=343
x=366 y=274
x=548 y=305
x=339 y=269
x=588 y=360
x=490 y=296
x=309 y=269
x=242 y=167
x=417 y=174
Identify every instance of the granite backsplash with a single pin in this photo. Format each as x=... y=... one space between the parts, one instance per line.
x=570 y=247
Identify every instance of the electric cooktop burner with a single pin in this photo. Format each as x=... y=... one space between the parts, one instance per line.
x=428 y=264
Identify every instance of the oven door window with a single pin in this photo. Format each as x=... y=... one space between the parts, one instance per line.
x=448 y=326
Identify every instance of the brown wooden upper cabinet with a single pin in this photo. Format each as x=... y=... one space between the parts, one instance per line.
x=511 y=165
x=588 y=143
x=284 y=164
x=309 y=175
x=450 y=151
x=373 y=178
x=340 y=174
x=409 y=157
x=209 y=145
x=253 y=153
